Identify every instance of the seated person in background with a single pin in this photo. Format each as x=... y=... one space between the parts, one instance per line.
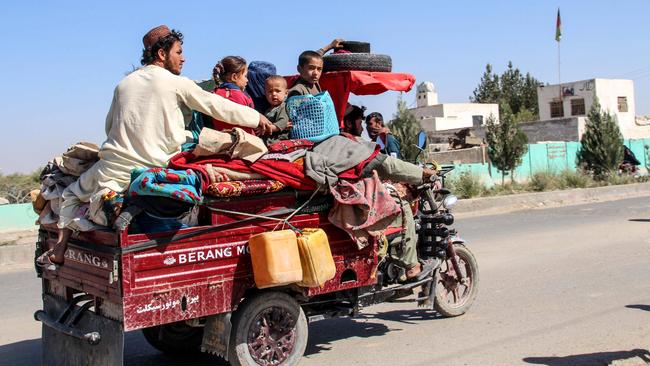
x=258 y=72
x=276 y=92
x=353 y=119
x=396 y=170
x=377 y=130
x=230 y=74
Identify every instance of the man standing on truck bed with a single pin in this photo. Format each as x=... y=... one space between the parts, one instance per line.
x=145 y=125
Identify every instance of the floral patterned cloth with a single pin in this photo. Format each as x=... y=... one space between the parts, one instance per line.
x=287 y=146
x=243 y=188
x=182 y=185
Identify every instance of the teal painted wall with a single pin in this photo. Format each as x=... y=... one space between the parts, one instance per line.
x=552 y=157
x=17 y=217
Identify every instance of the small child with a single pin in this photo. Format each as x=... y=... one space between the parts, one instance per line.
x=230 y=76
x=275 y=90
x=310 y=68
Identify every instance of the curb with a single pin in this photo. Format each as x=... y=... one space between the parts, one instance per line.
x=18 y=247
x=526 y=201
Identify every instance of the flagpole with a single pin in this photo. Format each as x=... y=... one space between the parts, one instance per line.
x=559 y=74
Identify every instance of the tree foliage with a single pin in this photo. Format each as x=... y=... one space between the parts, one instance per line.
x=405 y=128
x=507 y=143
x=602 y=143
x=513 y=88
x=15 y=187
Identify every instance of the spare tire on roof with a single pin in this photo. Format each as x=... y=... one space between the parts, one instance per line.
x=355 y=46
x=357 y=61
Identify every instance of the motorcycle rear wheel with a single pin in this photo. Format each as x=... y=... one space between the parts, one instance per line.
x=454 y=298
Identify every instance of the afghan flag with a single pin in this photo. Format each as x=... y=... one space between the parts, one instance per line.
x=558 y=27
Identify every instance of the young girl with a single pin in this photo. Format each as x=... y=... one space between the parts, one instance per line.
x=230 y=76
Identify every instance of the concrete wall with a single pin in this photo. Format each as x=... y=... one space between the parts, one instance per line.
x=17 y=217
x=547 y=157
x=461 y=156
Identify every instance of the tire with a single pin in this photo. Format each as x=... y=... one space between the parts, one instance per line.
x=175 y=338
x=357 y=61
x=273 y=316
x=356 y=47
x=453 y=298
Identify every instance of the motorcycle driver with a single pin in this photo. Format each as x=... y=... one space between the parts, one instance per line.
x=396 y=170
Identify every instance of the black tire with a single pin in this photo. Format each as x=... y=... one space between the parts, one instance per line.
x=356 y=47
x=273 y=316
x=447 y=285
x=357 y=61
x=175 y=338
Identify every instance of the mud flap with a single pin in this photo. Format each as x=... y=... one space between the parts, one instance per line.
x=75 y=336
x=216 y=335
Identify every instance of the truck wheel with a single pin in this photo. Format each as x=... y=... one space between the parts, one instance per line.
x=174 y=338
x=452 y=297
x=357 y=61
x=268 y=329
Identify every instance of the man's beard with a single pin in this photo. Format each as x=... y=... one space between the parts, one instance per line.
x=169 y=67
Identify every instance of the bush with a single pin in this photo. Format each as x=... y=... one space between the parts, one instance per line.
x=544 y=181
x=465 y=185
x=575 y=179
x=505 y=189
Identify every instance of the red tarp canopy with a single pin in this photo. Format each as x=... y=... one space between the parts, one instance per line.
x=341 y=83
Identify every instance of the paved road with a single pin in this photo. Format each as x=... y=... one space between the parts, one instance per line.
x=560 y=287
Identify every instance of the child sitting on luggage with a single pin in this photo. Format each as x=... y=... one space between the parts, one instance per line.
x=310 y=68
x=230 y=76
x=275 y=89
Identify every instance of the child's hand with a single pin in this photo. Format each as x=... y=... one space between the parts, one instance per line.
x=289 y=125
x=336 y=43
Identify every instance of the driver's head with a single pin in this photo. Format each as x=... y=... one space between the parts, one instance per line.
x=163 y=47
x=353 y=120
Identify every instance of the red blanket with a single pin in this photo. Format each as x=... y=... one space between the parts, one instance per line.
x=291 y=174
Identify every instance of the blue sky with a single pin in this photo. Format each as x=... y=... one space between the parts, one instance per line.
x=62 y=59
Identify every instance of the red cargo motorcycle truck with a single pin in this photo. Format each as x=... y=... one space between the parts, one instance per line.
x=193 y=289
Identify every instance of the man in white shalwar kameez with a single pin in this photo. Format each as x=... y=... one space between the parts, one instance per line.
x=145 y=125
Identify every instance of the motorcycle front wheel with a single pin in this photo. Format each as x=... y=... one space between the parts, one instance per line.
x=453 y=297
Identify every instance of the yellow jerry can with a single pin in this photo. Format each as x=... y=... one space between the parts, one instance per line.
x=275 y=258
x=316 y=258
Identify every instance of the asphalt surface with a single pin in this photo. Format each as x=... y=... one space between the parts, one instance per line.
x=565 y=286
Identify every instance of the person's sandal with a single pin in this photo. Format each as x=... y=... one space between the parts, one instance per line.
x=43 y=261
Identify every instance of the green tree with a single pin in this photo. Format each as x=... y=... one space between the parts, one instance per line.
x=405 y=128
x=513 y=88
x=488 y=90
x=601 y=149
x=507 y=143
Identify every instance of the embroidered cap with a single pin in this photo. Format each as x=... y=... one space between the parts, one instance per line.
x=154 y=35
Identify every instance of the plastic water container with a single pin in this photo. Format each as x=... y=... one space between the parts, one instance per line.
x=275 y=257
x=316 y=258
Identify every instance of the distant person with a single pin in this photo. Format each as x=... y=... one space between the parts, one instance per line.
x=145 y=125
x=377 y=131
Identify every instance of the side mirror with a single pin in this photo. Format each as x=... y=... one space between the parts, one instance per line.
x=422 y=140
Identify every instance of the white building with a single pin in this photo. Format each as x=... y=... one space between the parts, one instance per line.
x=434 y=116
x=614 y=95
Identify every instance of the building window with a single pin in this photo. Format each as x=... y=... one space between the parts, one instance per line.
x=577 y=107
x=557 y=109
x=622 y=104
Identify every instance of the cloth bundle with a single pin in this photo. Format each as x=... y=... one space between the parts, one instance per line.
x=59 y=173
